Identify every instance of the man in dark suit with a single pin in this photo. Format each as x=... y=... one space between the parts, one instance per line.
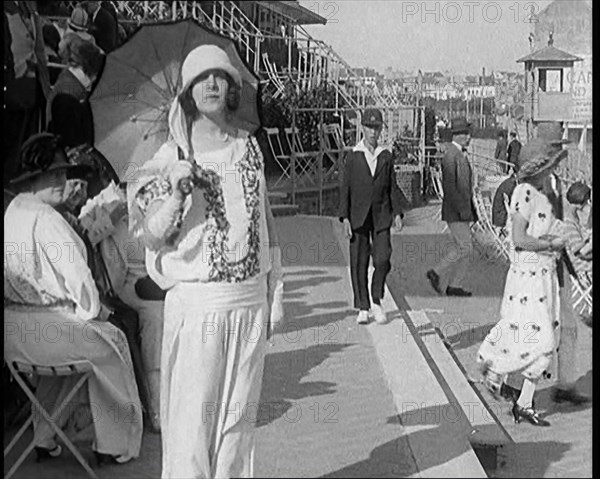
x=370 y=202
x=514 y=148
x=501 y=150
x=458 y=211
x=103 y=26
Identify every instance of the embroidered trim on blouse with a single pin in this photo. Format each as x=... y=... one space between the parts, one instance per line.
x=221 y=269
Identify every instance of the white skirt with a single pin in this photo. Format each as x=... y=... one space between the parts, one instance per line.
x=211 y=377
x=56 y=337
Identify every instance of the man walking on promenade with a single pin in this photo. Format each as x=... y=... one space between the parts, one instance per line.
x=514 y=148
x=370 y=201
x=458 y=211
x=501 y=150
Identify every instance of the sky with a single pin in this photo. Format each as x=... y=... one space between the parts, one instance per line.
x=460 y=36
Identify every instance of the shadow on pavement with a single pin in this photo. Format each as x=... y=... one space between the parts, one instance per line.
x=583 y=385
x=283 y=373
x=531 y=459
x=467 y=338
x=391 y=459
x=414 y=255
x=309 y=282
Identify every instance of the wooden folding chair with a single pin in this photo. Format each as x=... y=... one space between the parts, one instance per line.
x=335 y=150
x=305 y=161
x=16 y=368
x=581 y=293
x=483 y=229
x=281 y=156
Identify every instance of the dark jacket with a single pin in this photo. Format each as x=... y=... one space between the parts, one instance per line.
x=514 y=148
x=499 y=213
x=457 y=184
x=71 y=111
x=360 y=191
x=501 y=150
x=104 y=29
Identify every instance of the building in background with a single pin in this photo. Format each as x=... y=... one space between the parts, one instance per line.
x=570 y=22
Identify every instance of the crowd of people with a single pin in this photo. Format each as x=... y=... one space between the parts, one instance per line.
x=155 y=264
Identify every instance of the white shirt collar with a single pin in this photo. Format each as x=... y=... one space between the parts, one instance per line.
x=370 y=157
x=362 y=147
x=82 y=77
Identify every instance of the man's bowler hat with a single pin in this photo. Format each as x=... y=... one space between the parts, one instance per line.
x=460 y=125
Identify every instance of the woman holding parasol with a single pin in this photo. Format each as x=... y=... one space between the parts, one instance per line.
x=214 y=249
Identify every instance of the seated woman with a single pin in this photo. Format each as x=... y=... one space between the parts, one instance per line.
x=124 y=257
x=49 y=287
x=573 y=228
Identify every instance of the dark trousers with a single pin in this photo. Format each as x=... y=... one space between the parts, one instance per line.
x=365 y=242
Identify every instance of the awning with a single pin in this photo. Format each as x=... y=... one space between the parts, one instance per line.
x=294 y=11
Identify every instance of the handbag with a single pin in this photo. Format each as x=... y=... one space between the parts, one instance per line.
x=148 y=290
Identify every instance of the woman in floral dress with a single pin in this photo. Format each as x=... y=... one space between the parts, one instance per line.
x=524 y=340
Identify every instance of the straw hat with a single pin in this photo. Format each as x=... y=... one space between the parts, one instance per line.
x=539 y=156
x=78 y=20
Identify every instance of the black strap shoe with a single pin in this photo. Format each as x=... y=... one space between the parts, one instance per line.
x=434 y=279
x=569 y=395
x=452 y=291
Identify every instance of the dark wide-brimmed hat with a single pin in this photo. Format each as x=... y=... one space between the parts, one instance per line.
x=32 y=165
x=538 y=156
x=460 y=125
x=372 y=117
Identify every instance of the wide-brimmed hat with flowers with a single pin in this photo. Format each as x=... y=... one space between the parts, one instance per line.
x=32 y=165
x=539 y=156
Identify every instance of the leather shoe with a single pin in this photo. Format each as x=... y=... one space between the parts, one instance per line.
x=452 y=291
x=569 y=395
x=434 y=279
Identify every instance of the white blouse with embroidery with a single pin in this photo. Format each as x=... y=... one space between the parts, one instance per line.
x=45 y=261
x=223 y=235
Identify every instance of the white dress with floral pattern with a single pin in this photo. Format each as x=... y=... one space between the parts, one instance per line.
x=525 y=338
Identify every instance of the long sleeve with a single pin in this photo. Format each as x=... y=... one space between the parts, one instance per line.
x=344 y=209
x=449 y=179
x=70 y=266
x=71 y=121
x=275 y=277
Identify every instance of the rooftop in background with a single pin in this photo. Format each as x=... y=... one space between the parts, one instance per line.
x=549 y=54
x=293 y=10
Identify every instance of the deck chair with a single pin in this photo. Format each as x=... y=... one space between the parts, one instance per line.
x=484 y=232
x=281 y=156
x=306 y=162
x=581 y=293
x=16 y=368
x=273 y=76
x=335 y=151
